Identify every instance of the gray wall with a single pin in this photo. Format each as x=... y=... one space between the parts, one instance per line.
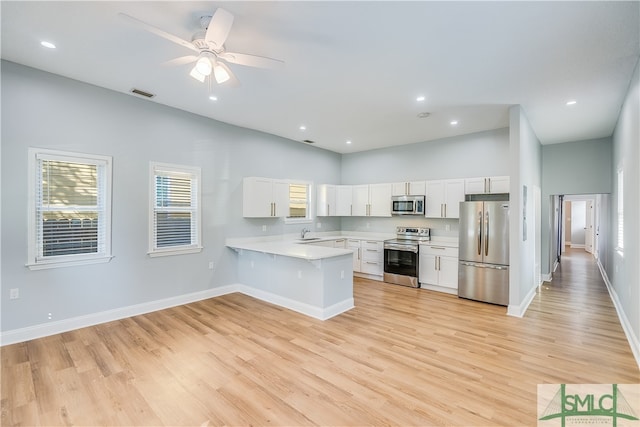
x=467 y=156
x=526 y=171
x=623 y=268
x=48 y=111
x=580 y=167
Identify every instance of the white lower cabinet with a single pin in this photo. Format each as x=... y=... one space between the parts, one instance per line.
x=354 y=245
x=372 y=261
x=438 y=268
x=334 y=243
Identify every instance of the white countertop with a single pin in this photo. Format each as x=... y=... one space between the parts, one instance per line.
x=292 y=246
x=289 y=248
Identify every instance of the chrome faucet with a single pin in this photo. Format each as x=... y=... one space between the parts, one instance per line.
x=304 y=232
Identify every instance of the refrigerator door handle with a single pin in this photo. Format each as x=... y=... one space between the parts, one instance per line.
x=486 y=233
x=479 y=234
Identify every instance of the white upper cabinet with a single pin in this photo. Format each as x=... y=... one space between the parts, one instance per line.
x=493 y=184
x=334 y=200
x=443 y=198
x=371 y=200
x=264 y=197
x=344 y=199
x=326 y=200
x=409 y=188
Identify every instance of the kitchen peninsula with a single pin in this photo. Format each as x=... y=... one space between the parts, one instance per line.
x=313 y=280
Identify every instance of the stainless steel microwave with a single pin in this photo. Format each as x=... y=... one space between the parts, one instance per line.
x=407 y=205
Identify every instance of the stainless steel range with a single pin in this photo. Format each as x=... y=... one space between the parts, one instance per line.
x=401 y=256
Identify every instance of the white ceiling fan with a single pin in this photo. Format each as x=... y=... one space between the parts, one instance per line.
x=210 y=53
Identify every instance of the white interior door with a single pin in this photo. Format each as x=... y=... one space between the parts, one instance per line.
x=588 y=232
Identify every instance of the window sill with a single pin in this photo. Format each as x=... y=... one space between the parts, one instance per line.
x=173 y=251
x=43 y=265
x=298 y=220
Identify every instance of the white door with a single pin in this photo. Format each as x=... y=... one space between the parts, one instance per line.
x=588 y=232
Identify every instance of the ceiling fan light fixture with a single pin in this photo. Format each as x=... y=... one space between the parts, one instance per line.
x=197 y=75
x=220 y=74
x=204 y=66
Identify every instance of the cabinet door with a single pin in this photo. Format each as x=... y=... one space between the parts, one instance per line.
x=474 y=186
x=280 y=197
x=354 y=245
x=360 y=200
x=399 y=189
x=380 y=200
x=257 y=197
x=417 y=188
x=454 y=194
x=326 y=200
x=499 y=184
x=448 y=274
x=344 y=198
x=427 y=272
x=434 y=199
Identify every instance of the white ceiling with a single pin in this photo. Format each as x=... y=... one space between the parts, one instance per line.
x=354 y=69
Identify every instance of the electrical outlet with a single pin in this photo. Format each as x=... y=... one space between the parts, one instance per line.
x=210 y=265
x=447 y=227
x=342 y=274
x=319 y=225
x=299 y=274
x=14 y=293
x=264 y=228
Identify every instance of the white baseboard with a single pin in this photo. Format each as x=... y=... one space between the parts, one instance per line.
x=57 y=327
x=46 y=329
x=520 y=309
x=439 y=289
x=547 y=277
x=577 y=246
x=306 y=309
x=634 y=342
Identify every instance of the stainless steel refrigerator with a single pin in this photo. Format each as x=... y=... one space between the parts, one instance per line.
x=483 y=273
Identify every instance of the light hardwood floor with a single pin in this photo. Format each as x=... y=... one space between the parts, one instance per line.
x=402 y=357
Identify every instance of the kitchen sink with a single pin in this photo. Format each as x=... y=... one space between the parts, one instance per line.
x=308 y=239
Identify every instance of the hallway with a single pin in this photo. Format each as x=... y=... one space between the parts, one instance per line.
x=578 y=300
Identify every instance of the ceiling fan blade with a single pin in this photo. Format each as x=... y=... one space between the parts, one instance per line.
x=251 y=60
x=231 y=80
x=182 y=60
x=219 y=28
x=157 y=31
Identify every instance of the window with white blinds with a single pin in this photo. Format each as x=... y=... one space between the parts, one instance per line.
x=175 y=209
x=299 y=203
x=69 y=208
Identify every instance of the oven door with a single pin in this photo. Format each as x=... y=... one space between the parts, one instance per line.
x=401 y=264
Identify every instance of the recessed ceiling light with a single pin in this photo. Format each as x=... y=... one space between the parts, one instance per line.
x=213 y=97
x=349 y=141
x=453 y=122
x=302 y=127
x=48 y=45
x=572 y=102
x=420 y=98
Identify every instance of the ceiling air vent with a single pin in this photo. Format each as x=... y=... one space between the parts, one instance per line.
x=142 y=93
x=308 y=141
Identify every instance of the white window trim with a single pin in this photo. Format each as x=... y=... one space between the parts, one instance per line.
x=34 y=260
x=310 y=205
x=192 y=170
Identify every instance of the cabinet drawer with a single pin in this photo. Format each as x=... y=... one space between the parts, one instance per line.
x=371 y=267
x=371 y=244
x=439 y=250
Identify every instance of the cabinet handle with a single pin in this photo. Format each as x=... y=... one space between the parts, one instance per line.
x=438 y=247
x=445 y=210
x=328 y=210
x=438 y=263
x=441 y=210
x=359 y=256
x=435 y=263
